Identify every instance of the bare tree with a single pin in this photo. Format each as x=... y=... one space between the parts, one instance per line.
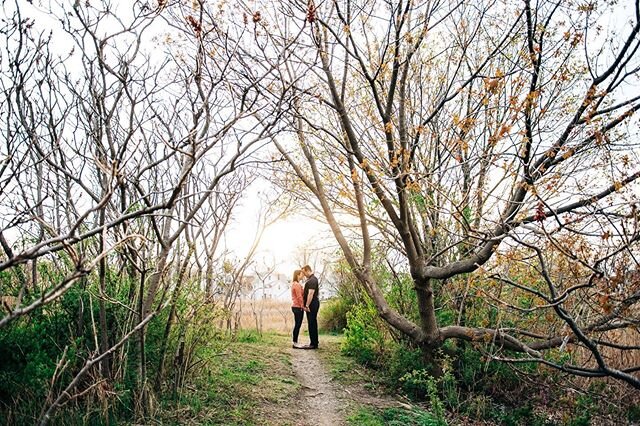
x=447 y=129
x=264 y=274
x=112 y=153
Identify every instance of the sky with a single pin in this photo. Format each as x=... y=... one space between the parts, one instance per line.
x=284 y=242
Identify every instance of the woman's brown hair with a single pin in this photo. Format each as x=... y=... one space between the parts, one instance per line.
x=296 y=273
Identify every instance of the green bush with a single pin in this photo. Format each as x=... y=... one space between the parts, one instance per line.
x=403 y=359
x=584 y=407
x=420 y=385
x=494 y=378
x=477 y=406
x=332 y=317
x=401 y=296
x=364 y=335
x=30 y=347
x=416 y=383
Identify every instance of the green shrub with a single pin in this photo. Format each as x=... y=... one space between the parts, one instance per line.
x=477 y=406
x=401 y=295
x=584 y=407
x=446 y=316
x=402 y=360
x=449 y=388
x=476 y=374
x=415 y=383
x=420 y=384
x=364 y=335
x=30 y=347
x=332 y=317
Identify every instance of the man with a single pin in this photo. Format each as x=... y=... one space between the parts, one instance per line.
x=311 y=305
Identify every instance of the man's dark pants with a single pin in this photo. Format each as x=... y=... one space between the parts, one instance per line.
x=312 y=321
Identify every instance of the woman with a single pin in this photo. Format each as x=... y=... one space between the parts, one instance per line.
x=297 y=305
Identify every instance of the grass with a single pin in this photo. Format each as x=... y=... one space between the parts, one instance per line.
x=251 y=382
x=372 y=402
x=345 y=370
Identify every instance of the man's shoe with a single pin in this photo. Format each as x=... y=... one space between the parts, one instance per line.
x=298 y=346
x=311 y=347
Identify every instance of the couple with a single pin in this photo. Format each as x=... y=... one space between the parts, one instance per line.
x=305 y=301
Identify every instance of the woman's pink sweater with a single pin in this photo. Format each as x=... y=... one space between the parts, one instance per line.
x=296 y=295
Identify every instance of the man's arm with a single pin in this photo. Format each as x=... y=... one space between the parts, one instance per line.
x=309 y=297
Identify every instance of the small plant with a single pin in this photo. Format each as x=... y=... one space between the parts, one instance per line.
x=633 y=413
x=415 y=382
x=247 y=336
x=420 y=384
x=437 y=407
x=365 y=417
x=450 y=394
x=478 y=406
x=402 y=360
x=393 y=417
x=584 y=408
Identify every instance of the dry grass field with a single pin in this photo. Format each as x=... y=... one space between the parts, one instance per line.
x=266 y=315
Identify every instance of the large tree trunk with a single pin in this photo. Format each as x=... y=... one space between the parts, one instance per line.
x=432 y=342
x=427 y=311
x=432 y=359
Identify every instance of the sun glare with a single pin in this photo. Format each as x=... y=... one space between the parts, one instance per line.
x=284 y=240
x=283 y=243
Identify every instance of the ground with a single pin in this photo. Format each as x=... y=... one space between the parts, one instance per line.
x=327 y=400
x=264 y=381
x=321 y=403
x=254 y=379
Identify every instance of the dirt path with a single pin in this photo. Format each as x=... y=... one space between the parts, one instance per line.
x=326 y=401
x=323 y=404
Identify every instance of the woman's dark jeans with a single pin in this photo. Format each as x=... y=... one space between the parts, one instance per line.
x=298 y=314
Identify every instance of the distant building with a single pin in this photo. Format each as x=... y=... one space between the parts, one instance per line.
x=277 y=286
